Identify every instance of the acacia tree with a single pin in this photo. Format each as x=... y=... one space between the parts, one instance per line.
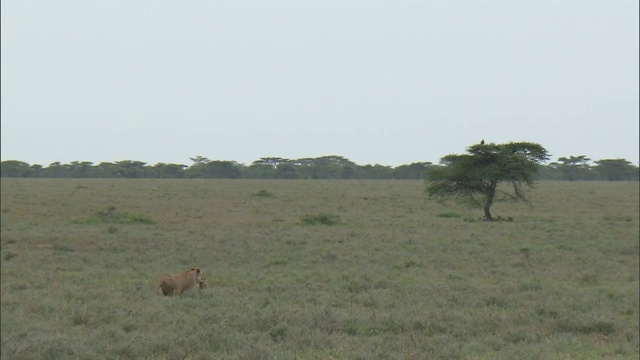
x=475 y=176
x=616 y=169
x=574 y=167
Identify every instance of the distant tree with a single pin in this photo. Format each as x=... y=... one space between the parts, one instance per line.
x=374 y=172
x=14 y=169
x=258 y=171
x=574 y=167
x=82 y=169
x=214 y=170
x=548 y=172
x=286 y=171
x=36 y=170
x=475 y=176
x=616 y=170
x=304 y=168
x=168 y=171
x=271 y=161
x=412 y=171
x=270 y=168
x=198 y=160
x=131 y=169
x=108 y=170
x=57 y=170
x=324 y=167
x=348 y=171
x=304 y=162
x=331 y=167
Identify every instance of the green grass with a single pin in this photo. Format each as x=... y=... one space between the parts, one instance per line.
x=449 y=214
x=396 y=276
x=111 y=215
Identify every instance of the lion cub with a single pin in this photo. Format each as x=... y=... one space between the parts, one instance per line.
x=172 y=285
x=203 y=283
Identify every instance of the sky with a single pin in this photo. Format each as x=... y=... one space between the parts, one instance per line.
x=378 y=82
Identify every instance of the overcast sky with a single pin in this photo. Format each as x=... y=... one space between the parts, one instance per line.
x=378 y=82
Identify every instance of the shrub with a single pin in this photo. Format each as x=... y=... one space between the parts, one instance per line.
x=449 y=214
x=109 y=215
x=320 y=219
x=264 y=193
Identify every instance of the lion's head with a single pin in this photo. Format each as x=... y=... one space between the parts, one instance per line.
x=199 y=274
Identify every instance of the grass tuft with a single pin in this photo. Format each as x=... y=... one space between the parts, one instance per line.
x=109 y=215
x=320 y=219
x=586 y=327
x=278 y=261
x=449 y=214
x=264 y=193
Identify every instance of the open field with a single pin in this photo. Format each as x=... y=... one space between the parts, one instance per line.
x=316 y=270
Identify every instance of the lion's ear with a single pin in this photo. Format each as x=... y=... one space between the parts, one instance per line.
x=198 y=270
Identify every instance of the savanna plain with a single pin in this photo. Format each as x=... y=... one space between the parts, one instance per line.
x=304 y=269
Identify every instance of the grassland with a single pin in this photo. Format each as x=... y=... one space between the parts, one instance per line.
x=316 y=270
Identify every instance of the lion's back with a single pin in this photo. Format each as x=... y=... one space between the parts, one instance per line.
x=184 y=281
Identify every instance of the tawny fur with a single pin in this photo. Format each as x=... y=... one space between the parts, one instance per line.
x=203 y=283
x=172 y=285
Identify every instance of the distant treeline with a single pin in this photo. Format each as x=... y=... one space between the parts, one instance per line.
x=324 y=167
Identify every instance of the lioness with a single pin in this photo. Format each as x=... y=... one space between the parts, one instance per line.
x=171 y=285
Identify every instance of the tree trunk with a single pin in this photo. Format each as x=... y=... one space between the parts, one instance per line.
x=487 y=214
x=490 y=193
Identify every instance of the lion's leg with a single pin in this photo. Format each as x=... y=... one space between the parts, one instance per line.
x=167 y=287
x=159 y=287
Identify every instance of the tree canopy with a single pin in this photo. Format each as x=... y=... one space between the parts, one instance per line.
x=474 y=177
x=573 y=168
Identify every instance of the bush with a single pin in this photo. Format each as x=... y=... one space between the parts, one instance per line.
x=264 y=193
x=320 y=219
x=110 y=216
x=450 y=214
